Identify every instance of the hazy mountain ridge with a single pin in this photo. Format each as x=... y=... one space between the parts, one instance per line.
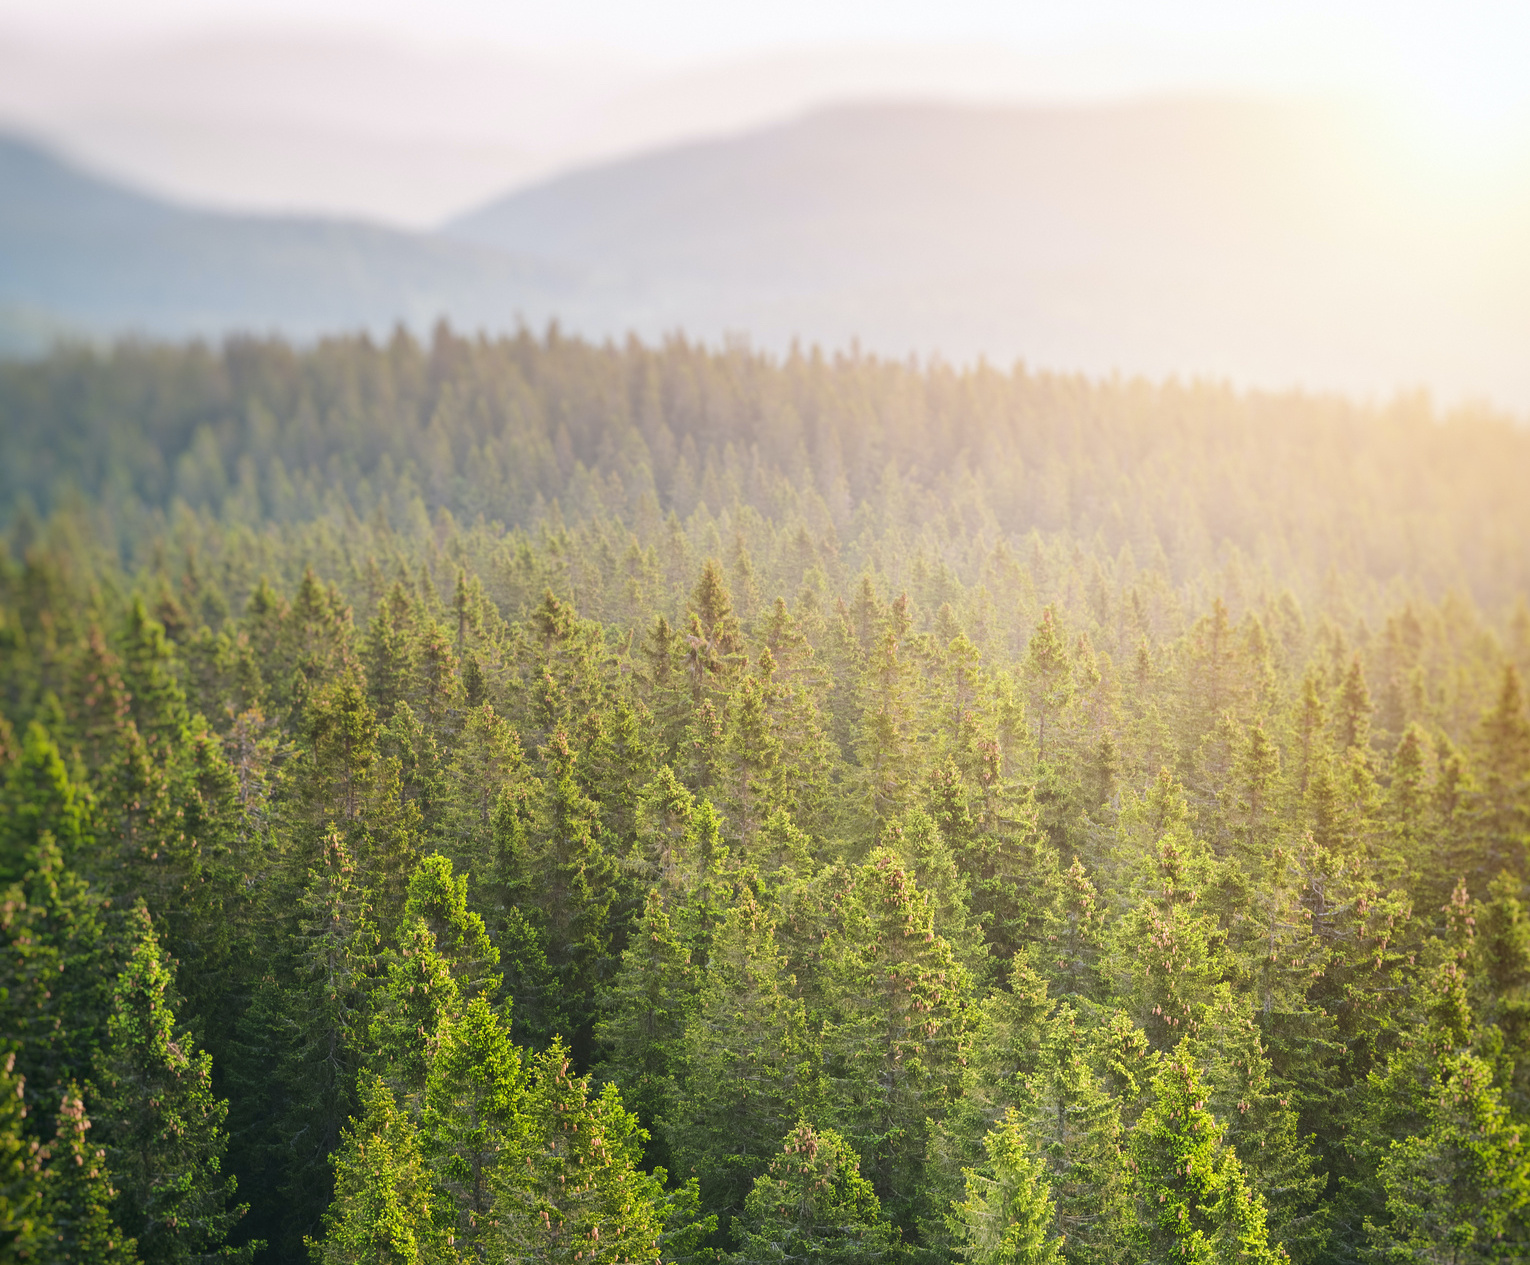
x=80 y=253
x=1266 y=243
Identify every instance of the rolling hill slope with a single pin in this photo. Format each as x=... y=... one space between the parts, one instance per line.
x=77 y=253
x=1272 y=244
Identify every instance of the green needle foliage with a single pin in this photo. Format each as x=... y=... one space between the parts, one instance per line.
x=579 y=1195
x=382 y=1211
x=79 y=1227
x=161 y=1123
x=23 y=1218
x=812 y=1204
x=1007 y=1217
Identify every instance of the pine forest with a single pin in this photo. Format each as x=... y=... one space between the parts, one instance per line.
x=526 y=800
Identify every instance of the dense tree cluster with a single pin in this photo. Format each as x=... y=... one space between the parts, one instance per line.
x=752 y=861
x=849 y=449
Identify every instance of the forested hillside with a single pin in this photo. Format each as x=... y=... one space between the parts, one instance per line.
x=533 y=801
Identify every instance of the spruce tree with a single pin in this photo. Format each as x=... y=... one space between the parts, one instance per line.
x=812 y=1204
x=754 y=753
x=897 y=1029
x=1446 y=1161
x=1049 y=682
x=645 y=1011
x=24 y=1222
x=1194 y=1200
x=1503 y=825
x=1007 y=1217
x=1462 y=1186
x=616 y=763
x=303 y=1042
x=746 y=1067
x=578 y=1195
x=474 y=1120
x=716 y=636
x=1074 y=1125
x=437 y=897
x=383 y=1208
x=160 y=1122
x=886 y=745
x=156 y=703
x=79 y=1195
x=40 y=798
x=1169 y=947
x=417 y=994
x=566 y=882
x=1254 y=1101
x=56 y=972
x=1009 y=1031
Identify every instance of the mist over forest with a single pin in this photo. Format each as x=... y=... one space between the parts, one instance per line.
x=1269 y=242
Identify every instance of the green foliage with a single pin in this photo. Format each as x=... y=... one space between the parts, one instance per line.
x=898 y=1028
x=1461 y=1186
x=474 y=1118
x=566 y=882
x=746 y=1067
x=437 y=900
x=647 y=1009
x=1194 y=1200
x=579 y=1195
x=161 y=1124
x=1007 y=1217
x=812 y=1204
x=23 y=1215
x=39 y=799
x=383 y=1200
x=79 y=1194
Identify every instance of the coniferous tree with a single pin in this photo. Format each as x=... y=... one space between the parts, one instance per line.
x=161 y=1124
x=579 y=1195
x=59 y=958
x=79 y=1195
x=1169 y=945
x=746 y=1065
x=1461 y=1186
x=304 y=1044
x=1049 y=681
x=1194 y=1200
x=417 y=994
x=754 y=753
x=1254 y=1103
x=716 y=641
x=382 y=1210
x=1007 y=1217
x=24 y=1223
x=646 y=1009
x=437 y=898
x=885 y=749
x=812 y=1204
x=1075 y=1127
x=474 y=1119
x=897 y=1030
x=40 y=798
x=1504 y=817
x=566 y=882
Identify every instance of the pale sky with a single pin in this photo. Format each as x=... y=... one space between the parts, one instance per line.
x=355 y=99
x=1467 y=56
